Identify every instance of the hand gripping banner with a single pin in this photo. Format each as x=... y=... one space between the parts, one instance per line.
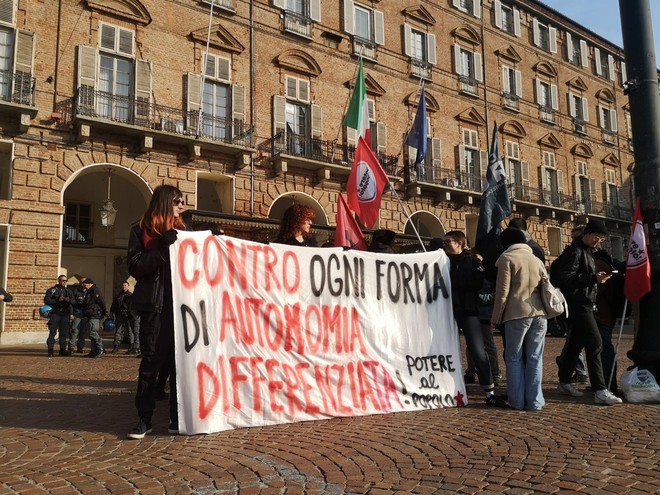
x=271 y=333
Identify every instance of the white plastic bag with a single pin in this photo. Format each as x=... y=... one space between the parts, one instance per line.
x=640 y=386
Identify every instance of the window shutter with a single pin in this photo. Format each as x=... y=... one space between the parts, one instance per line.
x=606 y=192
x=456 y=3
x=576 y=185
x=371 y=109
x=223 y=68
x=552 y=34
x=436 y=153
x=569 y=46
x=524 y=175
x=624 y=74
x=349 y=17
x=476 y=8
x=597 y=61
x=460 y=160
x=430 y=49
x=291 y=87
x=412 y=154
x=125 y=44
x=478 y=70
x=279 y=3
x=303 y=90
x=572 y=111
x=87 y=66
x=593 y=196
x=584 y=53
x=279 y=114
x=518 y=75
x=601 y=116
x=379 y=28
x=315 y=10
x=535 y=32
x=238 y=106
x=209 y=66
x=516 y=22
x=457 y=60
x=24 y=52
x=351 y=136
x=483 y=164
x=143 y=81
x=505 y=80
x=615 y=125
x=407 y=34
x=555 y=97
x=7 y=11
x=610 y=67
x=317 y=122
x=108 y=34
x=537 y=86
x=381 y=138
x=560 y=181
x=194 y=100
x=585 y=109
x=497 y=10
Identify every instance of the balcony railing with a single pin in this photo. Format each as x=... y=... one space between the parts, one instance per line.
x=107 y=107
x=511 y=101
x=609 y=137
x=446 y=177
x=288 y=143
x=609 y=210
x=541 y=196
x=17 y=87
x=579 y=126
x=420 y=68
x=547 y=114
x=364 y=47
x=297 y=24
x=469 y=85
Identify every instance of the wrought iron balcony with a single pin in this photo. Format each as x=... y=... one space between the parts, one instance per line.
x=100 y=106
x=297 y=23
x=17 y=87
x=322 y=151
x=511 y=101
x=420 y=68
x=469 y=85
x=364 y=47
x=444 y=177
x=579 y=126
x=609 y=137
x=547 y=114
x=539 y=196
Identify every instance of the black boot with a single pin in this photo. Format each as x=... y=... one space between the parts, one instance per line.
x=51 y=353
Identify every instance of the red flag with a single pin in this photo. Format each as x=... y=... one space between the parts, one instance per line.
x=348 y=233
x=366 y=184
x=638 y=269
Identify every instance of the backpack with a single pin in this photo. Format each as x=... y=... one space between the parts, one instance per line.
x=554 y=271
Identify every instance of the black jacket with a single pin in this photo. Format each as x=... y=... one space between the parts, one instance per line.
x=574 y=272
x=8 y=296
x=93 y=303
x=59 y=298
x=151 y=270
x=121 y=305
x=467 y=276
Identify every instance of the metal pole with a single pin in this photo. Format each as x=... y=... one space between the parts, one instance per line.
x=642 y=90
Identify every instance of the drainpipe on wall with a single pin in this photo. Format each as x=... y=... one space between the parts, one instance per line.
x=483 y=73
x=252 y=134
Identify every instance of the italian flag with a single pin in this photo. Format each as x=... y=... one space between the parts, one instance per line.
x=357 y=116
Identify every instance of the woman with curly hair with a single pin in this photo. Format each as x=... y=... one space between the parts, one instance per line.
x=149 y=263
x=296 y=225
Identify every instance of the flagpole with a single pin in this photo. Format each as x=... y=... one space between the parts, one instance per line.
x=405 y=212
x=618 y=341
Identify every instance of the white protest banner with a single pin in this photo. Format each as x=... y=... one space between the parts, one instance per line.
x=269 y=334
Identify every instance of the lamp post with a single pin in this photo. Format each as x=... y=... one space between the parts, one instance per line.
x=107 y=209
x=642 y=90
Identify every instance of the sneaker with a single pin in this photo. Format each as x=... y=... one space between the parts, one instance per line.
x=173 y=429
x=496 y=401
x=606 y=397
x=569 y=389
x=96 y=354
x=498 y=381
x=141 y=429
x=470 y=378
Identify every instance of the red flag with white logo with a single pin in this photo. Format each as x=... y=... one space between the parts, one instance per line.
x=348 y=232
x=638 y=268
x=366 y=184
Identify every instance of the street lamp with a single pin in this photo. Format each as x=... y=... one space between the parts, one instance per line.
x=107 y=209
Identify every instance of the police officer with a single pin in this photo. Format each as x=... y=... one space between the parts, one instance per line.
x=79 y=325
x=59 y=298
x=121 y=312
x=94 y=309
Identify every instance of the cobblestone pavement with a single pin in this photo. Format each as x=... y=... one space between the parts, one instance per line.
x=63 y=422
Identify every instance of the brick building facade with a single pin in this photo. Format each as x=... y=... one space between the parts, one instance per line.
x=106 y=99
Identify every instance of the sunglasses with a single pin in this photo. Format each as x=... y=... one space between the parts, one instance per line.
x=178 y=202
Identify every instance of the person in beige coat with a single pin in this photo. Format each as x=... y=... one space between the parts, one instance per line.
x=519 y=306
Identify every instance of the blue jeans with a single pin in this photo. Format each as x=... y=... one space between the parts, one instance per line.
x=524 y=378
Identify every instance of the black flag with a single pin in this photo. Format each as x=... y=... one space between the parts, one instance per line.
x=495 y=205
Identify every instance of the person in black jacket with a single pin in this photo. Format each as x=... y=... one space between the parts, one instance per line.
x=520 y=224
x=149 y=264
x=93 y=310
x=120 y=311
x=59 y=297
x=576 y=276
x=467 y=275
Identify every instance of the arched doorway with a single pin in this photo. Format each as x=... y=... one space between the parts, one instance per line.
x=90 y=249
x=426 y=223
x=279 y=206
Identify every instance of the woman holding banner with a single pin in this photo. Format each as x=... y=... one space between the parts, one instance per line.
x=296 y=226
x=519 y=306
x=467 y=275
x=149 y=264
